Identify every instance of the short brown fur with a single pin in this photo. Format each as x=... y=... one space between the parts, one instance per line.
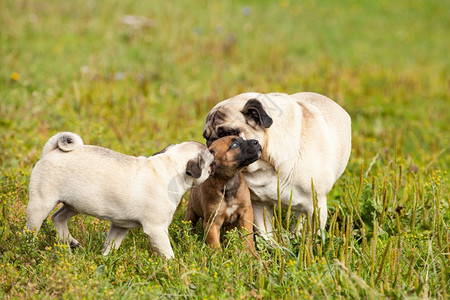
x=224 y=198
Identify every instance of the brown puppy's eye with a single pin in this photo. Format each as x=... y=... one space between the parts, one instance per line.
x=234 y=145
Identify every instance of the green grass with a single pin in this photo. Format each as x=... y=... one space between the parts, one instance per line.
x=75 y=66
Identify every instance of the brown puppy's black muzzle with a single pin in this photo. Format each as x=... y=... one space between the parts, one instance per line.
x=251 y=151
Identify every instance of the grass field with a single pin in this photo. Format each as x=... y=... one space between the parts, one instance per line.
x=136 y=84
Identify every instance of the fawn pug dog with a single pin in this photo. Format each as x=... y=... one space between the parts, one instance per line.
x=306 y=137
x=224 y=198
x=128 y=191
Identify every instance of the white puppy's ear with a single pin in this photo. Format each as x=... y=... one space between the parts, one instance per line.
x=163 y=150
x=254 y=112
x=194 y=167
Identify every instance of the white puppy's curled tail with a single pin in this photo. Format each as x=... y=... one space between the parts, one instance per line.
x=64 y=141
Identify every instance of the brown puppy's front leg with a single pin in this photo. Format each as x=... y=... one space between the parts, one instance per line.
x=212 y=231
x=191 y=215
x=246 y=221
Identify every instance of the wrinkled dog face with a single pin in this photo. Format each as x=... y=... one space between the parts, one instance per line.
x=232 y=153
x=197 y=162
x=243 y=118
x=200 y=167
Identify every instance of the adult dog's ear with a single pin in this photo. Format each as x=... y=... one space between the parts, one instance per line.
x=194 y=167
x=254 y=112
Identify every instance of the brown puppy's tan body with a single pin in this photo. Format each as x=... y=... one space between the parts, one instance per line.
x=233 y=209
x=224 y=198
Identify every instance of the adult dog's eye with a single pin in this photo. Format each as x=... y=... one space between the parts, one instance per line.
x=221 y=132
x=234 y=145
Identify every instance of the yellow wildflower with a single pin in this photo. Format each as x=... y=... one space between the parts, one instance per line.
x=15 y=76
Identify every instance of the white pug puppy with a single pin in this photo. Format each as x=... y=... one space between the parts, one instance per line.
x=126 y=190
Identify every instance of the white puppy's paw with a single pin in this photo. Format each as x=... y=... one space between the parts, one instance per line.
x=73 y=243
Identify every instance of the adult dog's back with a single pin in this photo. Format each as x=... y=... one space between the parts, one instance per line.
x=338 y=120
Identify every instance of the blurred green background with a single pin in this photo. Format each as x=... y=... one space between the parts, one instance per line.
x=146 y=72
x=135 y=76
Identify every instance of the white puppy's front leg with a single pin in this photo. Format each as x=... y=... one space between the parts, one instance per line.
x=114 y=238
x=263 y=228
x=159 y=239
x=60 y=219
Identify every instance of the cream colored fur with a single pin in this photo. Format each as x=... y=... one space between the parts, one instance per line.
x=309 y=140
x=128 y=191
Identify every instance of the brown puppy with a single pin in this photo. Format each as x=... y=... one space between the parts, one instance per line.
x=224 y=198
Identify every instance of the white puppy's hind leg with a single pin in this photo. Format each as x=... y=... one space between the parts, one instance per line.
x=60 y=219
x=114 y=238
x=37 y=210
x=159 y=239
x=263 y=220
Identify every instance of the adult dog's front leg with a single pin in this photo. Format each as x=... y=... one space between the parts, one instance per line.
x=263 y=219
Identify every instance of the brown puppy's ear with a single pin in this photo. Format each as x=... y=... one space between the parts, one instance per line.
x=194 y=167
x=253 y=110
